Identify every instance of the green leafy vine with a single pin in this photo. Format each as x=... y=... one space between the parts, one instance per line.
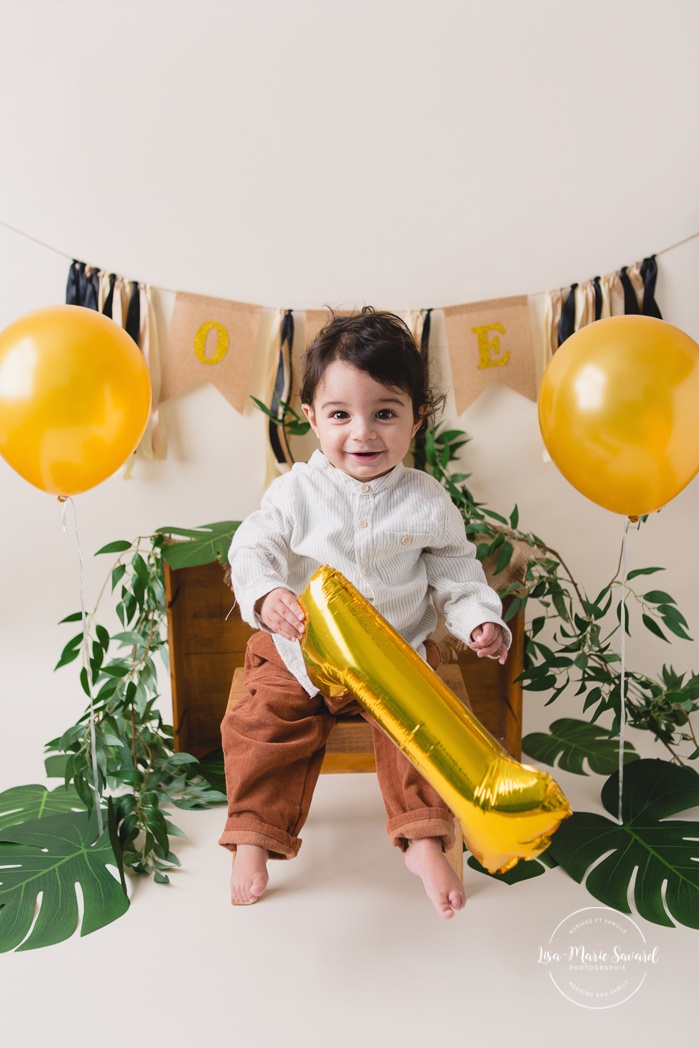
x=580 y=654
x=136 y=759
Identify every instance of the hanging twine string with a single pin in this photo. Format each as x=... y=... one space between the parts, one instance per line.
x=64 y=499
x=158 y=287
x=622 y=690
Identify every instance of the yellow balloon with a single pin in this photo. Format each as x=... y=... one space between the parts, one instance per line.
x=75 y=398
x=507 y=810
x=619 y=412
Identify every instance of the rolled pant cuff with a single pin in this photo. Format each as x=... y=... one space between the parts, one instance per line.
x=279 y=845
x=415 y=825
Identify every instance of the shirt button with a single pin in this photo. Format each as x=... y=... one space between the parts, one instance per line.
x=365 y=571
x=405 y=540
x=364 y=488
x=361 y=523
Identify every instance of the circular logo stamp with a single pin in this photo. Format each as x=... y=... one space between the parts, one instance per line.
x=597 y=957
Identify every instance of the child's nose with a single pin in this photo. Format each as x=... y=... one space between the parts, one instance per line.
x=363 y=429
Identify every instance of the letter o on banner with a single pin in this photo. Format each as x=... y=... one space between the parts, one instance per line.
x=222 y=342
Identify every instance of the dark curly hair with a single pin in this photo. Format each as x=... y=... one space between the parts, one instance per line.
x=380 y=344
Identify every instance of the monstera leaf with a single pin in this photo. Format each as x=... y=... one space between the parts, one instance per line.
x=48 y=846
x=25 y=803
x=202 y=545
x=574 y=740
x=663 y=855
x=523 y=871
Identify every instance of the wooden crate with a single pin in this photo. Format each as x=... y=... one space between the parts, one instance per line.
x=349 y=747
x=207 y=640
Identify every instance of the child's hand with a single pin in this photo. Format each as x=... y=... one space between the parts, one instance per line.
x=282 y=613
x=488 y=639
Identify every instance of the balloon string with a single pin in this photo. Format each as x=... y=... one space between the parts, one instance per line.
x=63 y=499
x=622 y=695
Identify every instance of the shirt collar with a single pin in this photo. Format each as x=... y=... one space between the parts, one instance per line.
x=320 y=462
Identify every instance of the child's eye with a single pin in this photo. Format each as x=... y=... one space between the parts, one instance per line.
x=339 y=415
x=385 y=414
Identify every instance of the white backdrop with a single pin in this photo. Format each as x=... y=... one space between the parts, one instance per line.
x=294 y=155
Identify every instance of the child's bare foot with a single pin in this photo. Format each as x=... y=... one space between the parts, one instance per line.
x=445 y=891
x=249 y=877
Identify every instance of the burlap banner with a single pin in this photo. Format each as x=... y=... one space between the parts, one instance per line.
x=490 y=342
x=211 y=340
x=315 y=319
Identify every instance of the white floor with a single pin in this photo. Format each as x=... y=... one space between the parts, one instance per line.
x=344 y=950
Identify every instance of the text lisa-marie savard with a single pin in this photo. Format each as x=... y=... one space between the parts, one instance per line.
x=614 y=957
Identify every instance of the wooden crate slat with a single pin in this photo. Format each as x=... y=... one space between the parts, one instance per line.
x=206 y=647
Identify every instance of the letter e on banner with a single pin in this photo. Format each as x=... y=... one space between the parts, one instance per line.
x=489 y=349
x=490 y=342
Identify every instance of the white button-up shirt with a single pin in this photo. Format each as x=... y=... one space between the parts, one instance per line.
x=399 y=539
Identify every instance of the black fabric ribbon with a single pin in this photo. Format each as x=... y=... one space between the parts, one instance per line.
x=82 y=289
x=630 y=301
x=425 y=337
x=283 y=384
x=598 y=297
x=109 y=300
x=133 y=315
x=73 y=296
x=649 y=275
x=419 y=452
x=566 y=325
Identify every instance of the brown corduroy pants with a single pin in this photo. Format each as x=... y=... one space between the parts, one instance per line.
x=273 y=746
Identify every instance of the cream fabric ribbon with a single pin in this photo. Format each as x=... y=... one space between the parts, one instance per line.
x=415 y=321
x=120 y=294
x=154 y=443
x=102 y=290
x=612 y=305
x=552 y=318
x=617 y=288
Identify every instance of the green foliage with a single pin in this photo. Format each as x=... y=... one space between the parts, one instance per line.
x=657 y=855
x=523 y=871
x=203 y=545
x=212 y=769
x=136 y=761
x=28 y=803
x=571 y=742
x=583 y=658
x=294 y=424
x=48 y=846
x=580 y=655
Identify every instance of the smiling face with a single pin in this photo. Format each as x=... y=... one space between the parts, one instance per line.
x=364 y=427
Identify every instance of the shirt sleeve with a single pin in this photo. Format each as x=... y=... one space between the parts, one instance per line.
x=459 y=587
x=259 y=553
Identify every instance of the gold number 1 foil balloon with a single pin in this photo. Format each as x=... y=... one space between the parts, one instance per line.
x=507 y=810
